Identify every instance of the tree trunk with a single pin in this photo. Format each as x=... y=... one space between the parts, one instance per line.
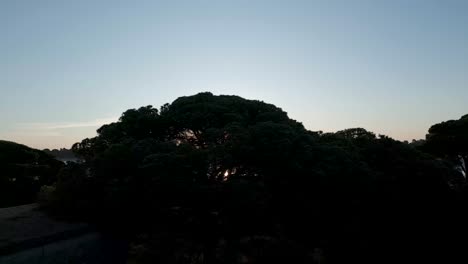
x=463 y=160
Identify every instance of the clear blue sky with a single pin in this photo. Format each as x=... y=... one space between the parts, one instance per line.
x=393 y=67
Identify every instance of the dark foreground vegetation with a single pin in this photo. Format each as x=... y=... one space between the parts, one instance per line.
x=22 y=172
x=221 y=179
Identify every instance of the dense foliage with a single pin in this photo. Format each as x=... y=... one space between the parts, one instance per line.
x=221 y=179
x=449 y=140
x=22 y=172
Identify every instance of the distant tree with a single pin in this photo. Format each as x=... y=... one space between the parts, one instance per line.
x=62 y=154
x=417 y=143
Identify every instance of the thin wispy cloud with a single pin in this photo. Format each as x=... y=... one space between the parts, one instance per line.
x=28 y=133
x=64 y=125
x=53 y=134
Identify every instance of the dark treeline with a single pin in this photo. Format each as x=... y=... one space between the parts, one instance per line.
x=23 y=171
x=221 y=179
x=61 y=154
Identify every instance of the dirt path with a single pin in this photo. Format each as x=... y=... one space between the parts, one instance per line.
x=26 y=226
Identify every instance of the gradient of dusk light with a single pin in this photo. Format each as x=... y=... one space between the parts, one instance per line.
x=392 y=67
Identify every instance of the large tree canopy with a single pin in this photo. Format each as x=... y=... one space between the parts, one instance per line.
x=215 y=138
x=219 y=178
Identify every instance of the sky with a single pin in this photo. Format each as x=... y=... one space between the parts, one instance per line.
x=393 y=67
